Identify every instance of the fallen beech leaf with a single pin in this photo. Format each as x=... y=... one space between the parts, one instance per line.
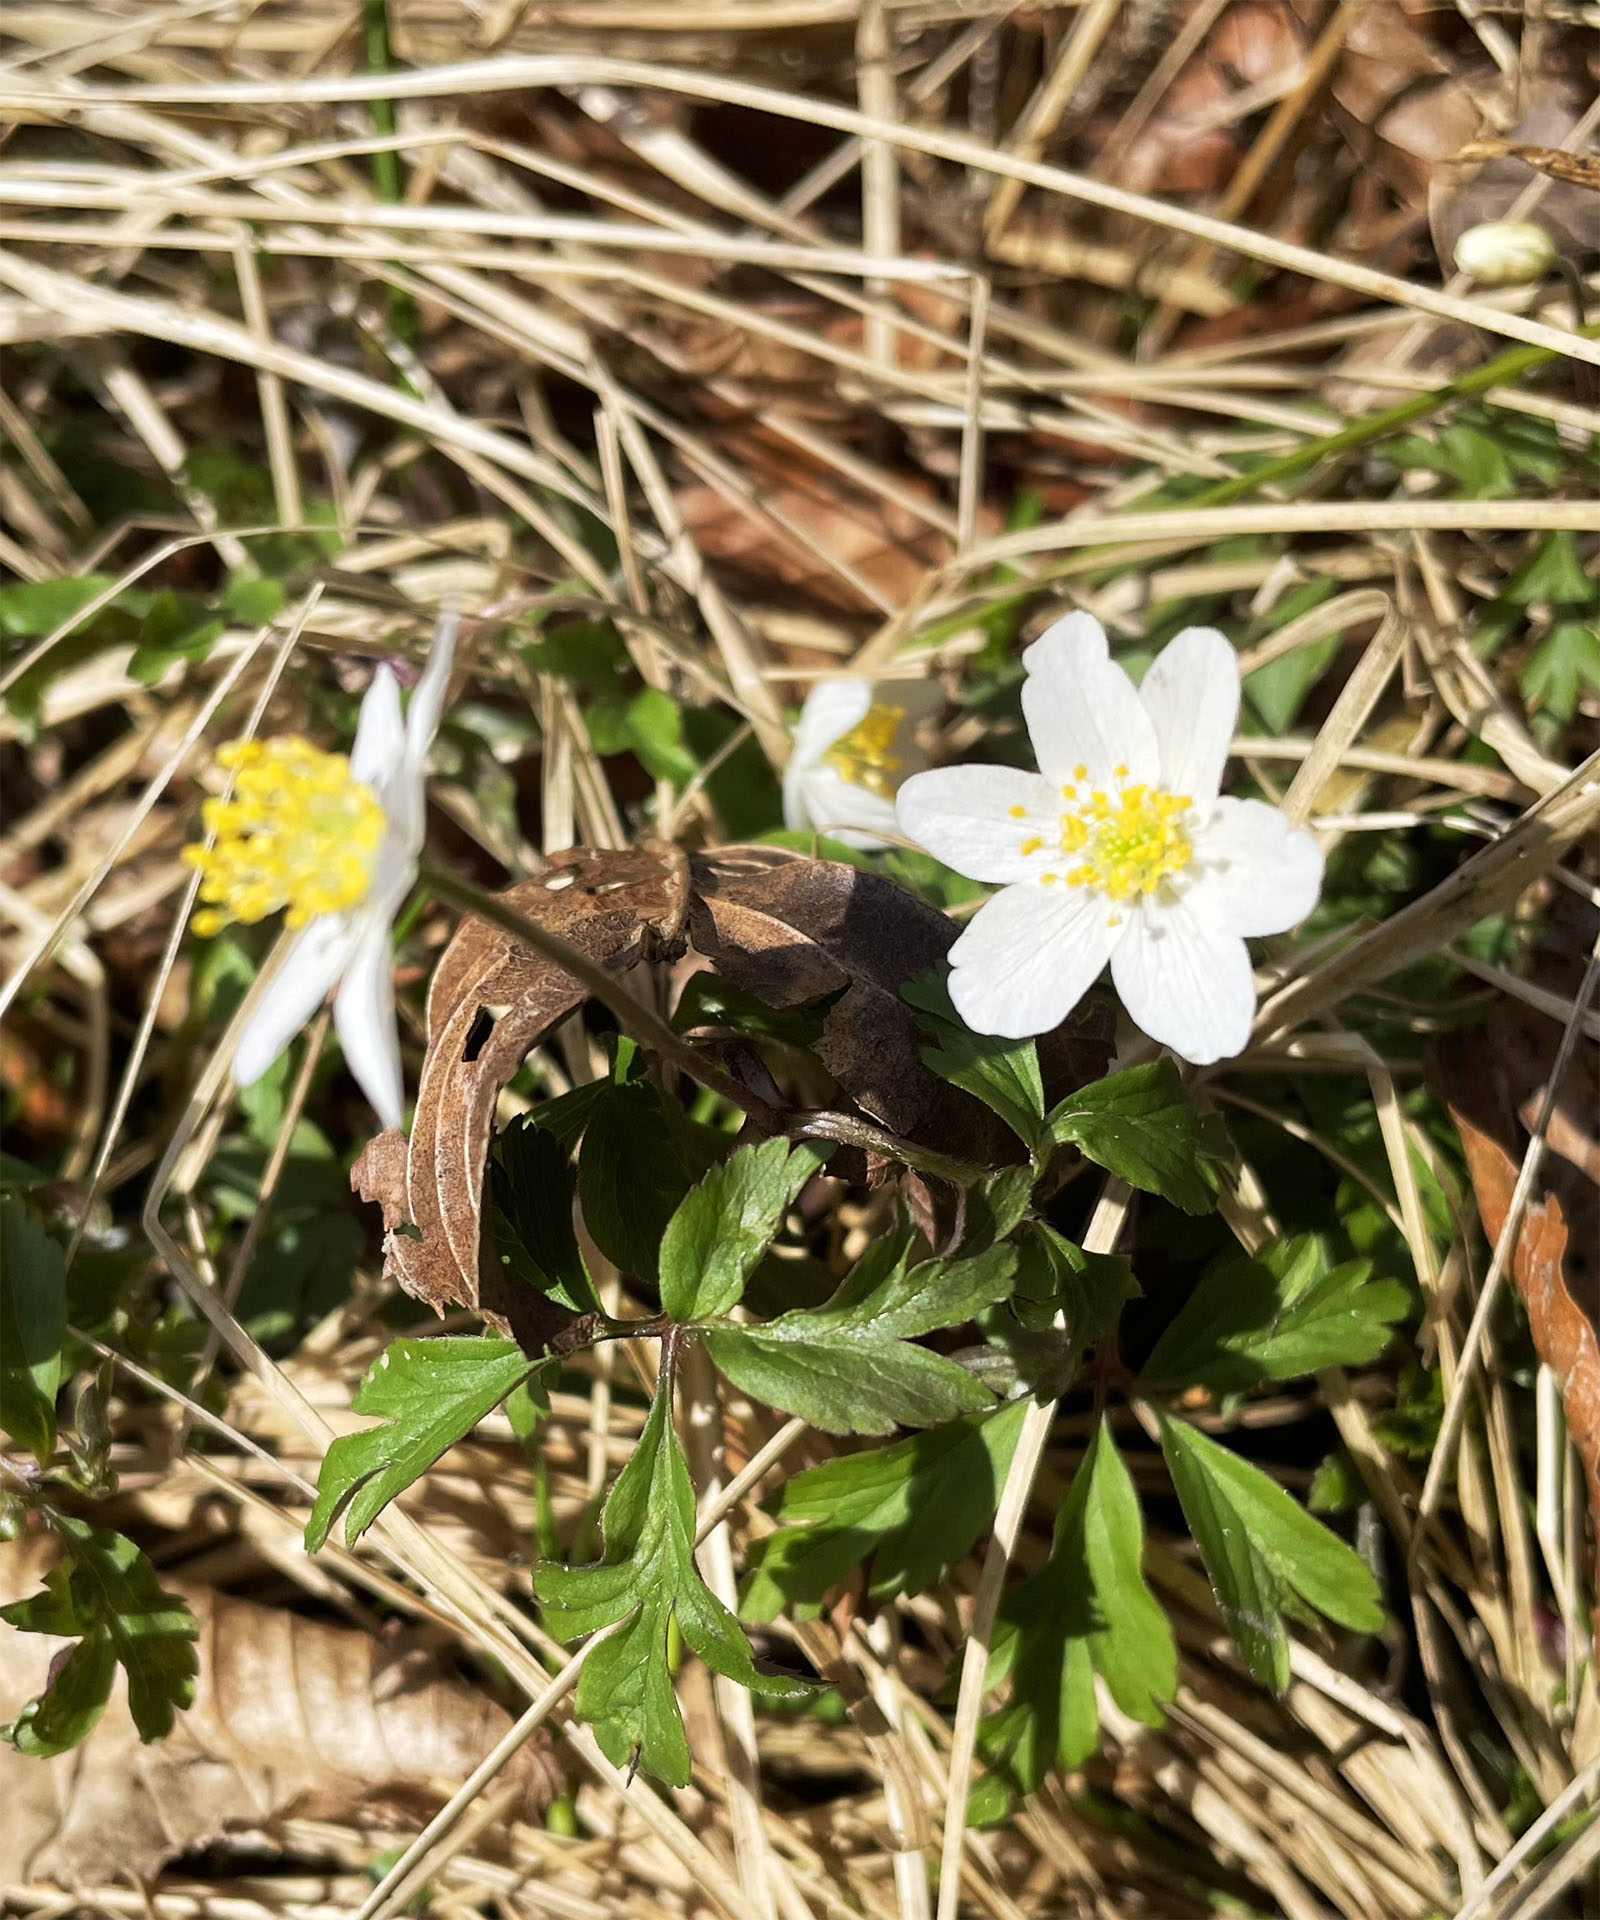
x=290 y=1715
x=1563 y=1333
x=490 y=1001
x=790 y=929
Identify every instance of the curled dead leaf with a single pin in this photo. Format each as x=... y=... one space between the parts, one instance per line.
x=1564 y=1334
x=290 y=1716
x=492 y=1000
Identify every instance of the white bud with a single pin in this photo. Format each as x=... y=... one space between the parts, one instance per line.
x=1505 y=253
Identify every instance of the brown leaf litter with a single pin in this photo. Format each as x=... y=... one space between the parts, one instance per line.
x=290 y=1716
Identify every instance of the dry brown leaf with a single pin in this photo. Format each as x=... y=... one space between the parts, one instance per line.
x=491 y=1000
x=789 y=929
x=1563 y=1333
x=290 y=1716
x=1404 y=103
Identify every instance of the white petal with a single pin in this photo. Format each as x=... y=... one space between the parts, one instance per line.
x=1254 y=873
x=831 y=709
x=364 y=1016
x=1081 y=708
x=1185 y=982
x=1028 y=957
x=427 y=697
x=825 y=802
x=1191 y=694
x=312 y=963
x=380 y=742
x=962 y=816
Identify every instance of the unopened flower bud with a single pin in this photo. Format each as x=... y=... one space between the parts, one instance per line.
x=1505 y=253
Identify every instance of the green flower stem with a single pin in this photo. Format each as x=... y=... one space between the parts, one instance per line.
x=652 y=1032
x=1502 y=370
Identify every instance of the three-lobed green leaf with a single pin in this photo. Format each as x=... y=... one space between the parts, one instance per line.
x=1142 y=1126
x=431 y=1393
x=1087 y=1612
x=105 y=1590
x=1265 y=1554
x=1285 y=1312
x=646 y=1579
x=850 y=1366
x=723 y=1226
x=33 y=1325
x=913 y=1509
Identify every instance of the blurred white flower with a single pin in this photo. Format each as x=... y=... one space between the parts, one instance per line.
x=334 y=843
x=1119 y=849
x=854 y=744
x=1505 y=253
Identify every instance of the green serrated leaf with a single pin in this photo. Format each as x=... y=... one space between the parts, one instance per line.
x=531 y=1185
x=253 y=600
x=1263 y=1551
x=105 y=1587
x=1286 y=1312
x=1142 y=1126
x=72 y=1702
x=647 y=1579
x=1562 y=668
x=33 y=1325
x=1003 y=1074
x=708 y=1000
x=630 y=1178
x=431 y=1393
x=912 y=1510
x=849 y=1367
x=1088 y=1290
x=1087 y=1612
x=725 y=1224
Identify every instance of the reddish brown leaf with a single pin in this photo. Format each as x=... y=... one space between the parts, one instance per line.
x=1563 y=1333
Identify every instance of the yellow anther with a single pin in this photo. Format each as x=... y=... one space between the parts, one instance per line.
x=297 y=832
x=1032 y=844
x=1080 y=771
x=1049 y=879
x=1018 y=813
x=1069 y=793
x=864 y=756
x=1131 y=846
x=1120 y=772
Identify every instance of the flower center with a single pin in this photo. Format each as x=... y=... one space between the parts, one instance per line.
x=863 y=755
x=296 y=832
x=1120 y=844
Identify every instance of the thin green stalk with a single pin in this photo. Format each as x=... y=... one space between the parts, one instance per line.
x=378 y=55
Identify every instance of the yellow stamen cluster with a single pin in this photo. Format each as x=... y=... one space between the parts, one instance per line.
x=297 y=832
x=1130 y=840
x=865 y=756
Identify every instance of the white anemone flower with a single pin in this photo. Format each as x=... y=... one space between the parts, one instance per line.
x=854 y=744
x=334 y=844
x=1118 y=850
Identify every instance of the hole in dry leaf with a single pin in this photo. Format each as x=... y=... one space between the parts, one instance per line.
x=557 y=881
x=478 y=1034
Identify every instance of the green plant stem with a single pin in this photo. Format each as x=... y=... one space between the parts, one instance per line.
x=1500 y=371
x=379 y=57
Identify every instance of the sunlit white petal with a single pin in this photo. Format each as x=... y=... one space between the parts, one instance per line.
x=831 y=709
x=1254 y=873
x=978 y=819
x=427 y=697
x=825 y=802
x=1082 y=710
x=1191 y=694
x=307 y=971
x=1027 y=957
x=380 y=742
x=363 y=1013
x=1185 y=982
